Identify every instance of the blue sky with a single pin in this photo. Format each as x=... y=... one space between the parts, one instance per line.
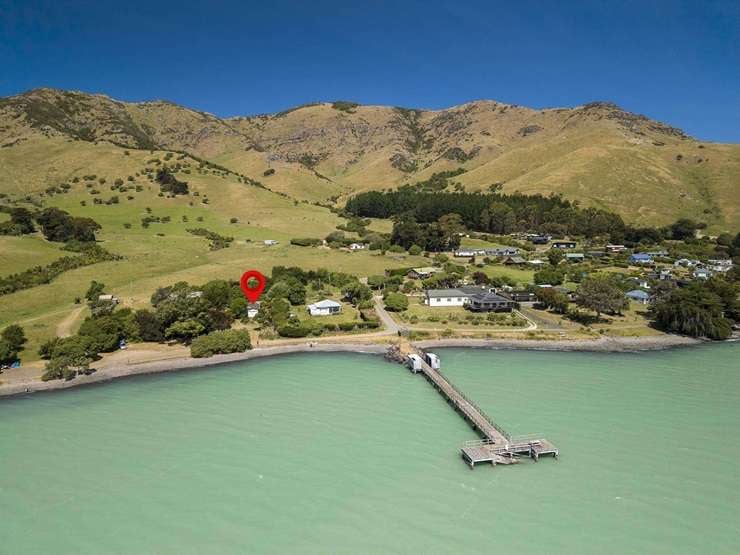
x=676 y=61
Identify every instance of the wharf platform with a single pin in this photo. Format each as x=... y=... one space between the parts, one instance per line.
x=496 y=445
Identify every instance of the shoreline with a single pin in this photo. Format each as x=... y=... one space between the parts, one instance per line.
x=115 y=371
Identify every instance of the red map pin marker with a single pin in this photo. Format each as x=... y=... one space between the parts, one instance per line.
x=252 y=293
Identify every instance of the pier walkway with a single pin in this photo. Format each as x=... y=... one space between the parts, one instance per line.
x=496 y=445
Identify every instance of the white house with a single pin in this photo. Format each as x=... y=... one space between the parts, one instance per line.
x=467 y=253
x=270 y=242
x=719 y=264
x=615 y=248
x=702 y=273
x=451 y=297
x=108 y=298
x=252 y=310
x=327 y=307
x=356 y=247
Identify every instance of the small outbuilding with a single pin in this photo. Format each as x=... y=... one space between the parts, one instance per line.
x=252 y=310
x=413 y=361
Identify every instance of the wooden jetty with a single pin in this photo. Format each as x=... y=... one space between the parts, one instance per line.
x=496 y=445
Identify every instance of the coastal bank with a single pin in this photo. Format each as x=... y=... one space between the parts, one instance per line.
x=110 y=371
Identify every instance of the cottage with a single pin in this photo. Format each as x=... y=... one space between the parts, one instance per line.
x=665 y=274
x=595 y=254
x=270 y=242
x=422 y=273
x=195 y=295
x=702 y=273
x=641 y=258
x=108 y=299
x=467 y=253
x=539 y=239
x=502 y=251
x=326 y=307
x=638 y=295
x=574 y=257
x=615 y=248
x=686 y=263
x=560 y=244
x=658 y=254
x=490 y=302
x=356 y=246
x=514 y=261
x=721 y=265
x=253 y=309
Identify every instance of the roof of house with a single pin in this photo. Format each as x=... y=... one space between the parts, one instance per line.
x=326 y=303
x=464 y=291
x=426 y=270
x=488 y=297
x=640 y=256
x=574 y=255
x=638 y=294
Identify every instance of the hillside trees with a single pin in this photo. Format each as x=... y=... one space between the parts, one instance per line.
x=21 y=222
x=12 y=340
x=600 y=294
x=694 y=310
x=168 y=183
x=490 y=212
x=58 y=225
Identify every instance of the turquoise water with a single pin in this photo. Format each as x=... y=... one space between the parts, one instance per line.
x=349 y=454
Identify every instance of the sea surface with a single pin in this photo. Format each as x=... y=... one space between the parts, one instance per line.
x=346 y=453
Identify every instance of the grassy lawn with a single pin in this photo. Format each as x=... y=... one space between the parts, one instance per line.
x=472 y=243
x=22 y=253
x=420 y=315
x=522 y=276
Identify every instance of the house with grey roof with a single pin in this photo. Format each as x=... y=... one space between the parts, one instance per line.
x=327 y=307
x=638 y=295
x=490 y=302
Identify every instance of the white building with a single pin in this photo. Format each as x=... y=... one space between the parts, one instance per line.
x=356 y=247
x=719 y=264
x=326 y=307
x=451 y=297
x=702 y=273
x=108 y=298
x=270 y=242
x=253 y=310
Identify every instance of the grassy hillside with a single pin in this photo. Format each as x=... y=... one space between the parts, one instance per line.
x=647 y=171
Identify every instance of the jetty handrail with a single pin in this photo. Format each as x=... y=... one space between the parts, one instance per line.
x=471 y=403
